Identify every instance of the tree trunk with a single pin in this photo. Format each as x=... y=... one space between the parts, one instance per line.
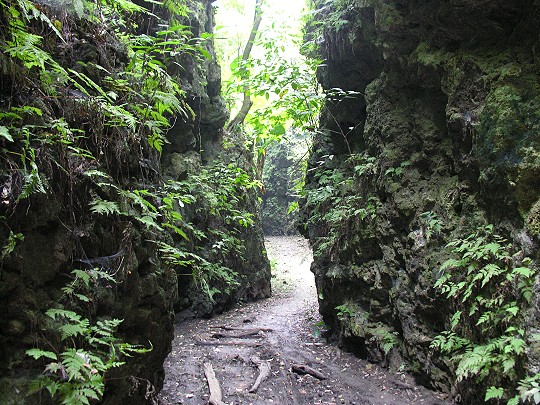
x=247 y=103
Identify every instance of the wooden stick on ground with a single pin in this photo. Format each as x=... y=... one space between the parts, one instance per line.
x=305 y=369
x=238 y=335
x=243 y=342
x=213 y=385
x=231 y=328
x=264 y=372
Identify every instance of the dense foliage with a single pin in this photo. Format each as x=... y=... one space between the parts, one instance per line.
x=89 y=94
x=490 y=289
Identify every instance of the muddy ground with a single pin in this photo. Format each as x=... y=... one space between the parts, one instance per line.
x=294 y=338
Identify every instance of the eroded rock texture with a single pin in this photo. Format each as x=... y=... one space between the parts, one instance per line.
x=441 y=122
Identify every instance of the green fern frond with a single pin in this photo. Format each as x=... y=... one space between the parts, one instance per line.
x=73 y=361
x=4 y=133
x=104 y=207
x=97 y=173
x=119 y=116
x=494 y=393
x=129 y=6
x=74 y=329
x=149 y=222
x=167 y=103
x=25 y=47
x=82 y=276
x=90 y=83
x=33 y=183
x=56 y=313
x=38 y=354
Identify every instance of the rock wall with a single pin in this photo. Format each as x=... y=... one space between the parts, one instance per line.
x=76 y=154
x=433 y=133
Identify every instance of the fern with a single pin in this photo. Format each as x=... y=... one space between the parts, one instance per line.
x=30 y=11
x=25 y=48
x=12 y=241
x=104 y=207
x=494 y=393
x=127 y=5
x=97 y=174
x=149 y=222
x=74 y=330
x=73 y=325
x=76 y=374
x=55 y=313
x=82 y=276
x=38 y=354
x=491 y=288
x=119 y=116
x=33 y=183
x=4 y=133
x=74 y=361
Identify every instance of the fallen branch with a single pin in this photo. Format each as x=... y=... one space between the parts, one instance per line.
x=305 y=369
x=231 y=343
x=213 y=385
x=264 y=372
x=232 y=328
x=241 y=335
x=403 y=385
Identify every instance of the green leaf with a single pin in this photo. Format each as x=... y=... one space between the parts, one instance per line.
x=56 y=313
x=455 y=319
x=4 y=133
x=235 y=64
x=82 y=297
x=513 y=310
x=523 y=271
x=518 y=346
x=492 y=247
x=494 y=393
x=71 y=330
x=513 y=401
x=278 y=130
x=38 y=353
x=149 y=222
x=508 y=365
x=99 y=206
x=204 y=52
x=48 y=383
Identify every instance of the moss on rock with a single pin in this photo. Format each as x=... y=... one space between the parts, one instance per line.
x=451 y=128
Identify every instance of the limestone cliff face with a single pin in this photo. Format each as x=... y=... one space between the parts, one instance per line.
x=441 y=123
x=53 y=231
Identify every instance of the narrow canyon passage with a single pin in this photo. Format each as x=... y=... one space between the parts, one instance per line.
x=287 y=327
x=146 y=148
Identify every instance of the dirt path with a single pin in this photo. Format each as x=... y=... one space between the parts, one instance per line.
x=292 y=316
